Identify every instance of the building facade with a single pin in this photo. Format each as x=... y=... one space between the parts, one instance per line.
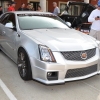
x=4 y=3
x=45 y=4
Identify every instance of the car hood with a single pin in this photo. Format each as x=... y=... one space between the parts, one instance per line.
x=62 y=39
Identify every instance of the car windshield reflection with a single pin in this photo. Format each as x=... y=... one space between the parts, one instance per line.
x=40 y=22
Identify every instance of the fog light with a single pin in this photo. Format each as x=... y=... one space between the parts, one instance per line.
x=49 y=74
x=52 y=76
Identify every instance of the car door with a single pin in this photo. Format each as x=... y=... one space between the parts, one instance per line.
x=10 y=35
x=3 y=20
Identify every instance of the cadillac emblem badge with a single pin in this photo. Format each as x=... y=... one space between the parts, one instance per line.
x=84 y=55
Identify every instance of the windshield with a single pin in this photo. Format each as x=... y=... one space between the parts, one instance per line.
x=28 y=22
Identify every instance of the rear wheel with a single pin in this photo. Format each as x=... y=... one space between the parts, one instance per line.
x=24 y=66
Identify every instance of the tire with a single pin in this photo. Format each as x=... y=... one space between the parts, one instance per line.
x=24 y=66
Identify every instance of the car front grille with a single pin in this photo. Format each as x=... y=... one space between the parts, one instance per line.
x=71 y=73
x=76 y=55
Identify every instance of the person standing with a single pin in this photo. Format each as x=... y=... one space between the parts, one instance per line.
x=1 y=12
x=56 y=9
x=94 y=18
x=22 y=8
x=32 y=8
x=8 y=5
x=29 y=7
x=12 y=7
x=39 y=8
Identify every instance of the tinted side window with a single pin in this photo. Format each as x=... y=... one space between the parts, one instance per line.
x=4 y=19
x=12 y=19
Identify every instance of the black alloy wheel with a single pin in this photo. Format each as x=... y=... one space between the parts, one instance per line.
x=24 y=66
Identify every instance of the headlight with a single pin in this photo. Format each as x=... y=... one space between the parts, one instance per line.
x=46 y=54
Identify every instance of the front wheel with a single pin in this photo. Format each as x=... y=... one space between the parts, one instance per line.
x=24 y=66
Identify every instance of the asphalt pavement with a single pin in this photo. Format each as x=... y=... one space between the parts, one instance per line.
x=12 y=87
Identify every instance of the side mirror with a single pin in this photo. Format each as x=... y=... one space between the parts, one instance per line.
x=68 y=23
x=9 y=25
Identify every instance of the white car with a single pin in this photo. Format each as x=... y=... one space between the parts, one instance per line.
x=46 y=49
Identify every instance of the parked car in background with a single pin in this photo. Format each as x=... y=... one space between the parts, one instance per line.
x=77 y=14
x=46 y=49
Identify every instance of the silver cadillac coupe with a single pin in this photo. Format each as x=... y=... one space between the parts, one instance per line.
x=46 y=49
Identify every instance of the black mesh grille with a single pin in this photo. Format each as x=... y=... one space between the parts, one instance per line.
x=76 y=55
x=81 y=71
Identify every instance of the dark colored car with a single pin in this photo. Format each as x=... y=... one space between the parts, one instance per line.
x=77 y=14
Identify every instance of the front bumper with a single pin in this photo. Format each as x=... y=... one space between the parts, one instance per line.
x=40 y=68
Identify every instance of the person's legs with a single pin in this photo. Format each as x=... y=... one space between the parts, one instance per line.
x=98 y=35
x=93 y=33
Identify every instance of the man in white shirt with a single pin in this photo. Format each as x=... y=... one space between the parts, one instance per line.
x=56 y=9
x=94 y=18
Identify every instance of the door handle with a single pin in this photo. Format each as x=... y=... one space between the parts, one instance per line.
x=18 y=35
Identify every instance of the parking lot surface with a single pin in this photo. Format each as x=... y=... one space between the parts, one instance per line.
x=88 y=89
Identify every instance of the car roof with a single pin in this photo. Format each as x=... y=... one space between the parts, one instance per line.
x=77 y=2
x=29 y=12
